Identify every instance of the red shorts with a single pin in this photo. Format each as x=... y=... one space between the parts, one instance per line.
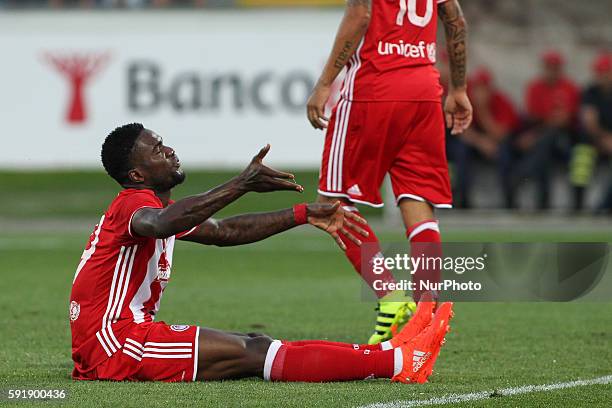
x=155 y=352
x=367 y=140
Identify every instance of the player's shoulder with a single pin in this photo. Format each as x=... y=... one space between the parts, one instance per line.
x=132 y=194
x=130 y=199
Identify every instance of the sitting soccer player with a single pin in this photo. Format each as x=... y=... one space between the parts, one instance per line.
x=126 y=266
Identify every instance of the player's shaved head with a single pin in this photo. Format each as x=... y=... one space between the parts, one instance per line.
x=117 y=150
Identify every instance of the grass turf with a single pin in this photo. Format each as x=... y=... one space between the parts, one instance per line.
x=292 y=287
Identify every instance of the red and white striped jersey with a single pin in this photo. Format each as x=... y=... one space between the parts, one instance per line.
x=395 y=60
x=119 y=281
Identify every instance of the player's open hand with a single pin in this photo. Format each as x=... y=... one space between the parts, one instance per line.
x=260 y=178
x=458 y=110
x=315 y=106
x=334 y=219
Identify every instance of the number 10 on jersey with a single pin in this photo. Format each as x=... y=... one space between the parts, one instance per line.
x=410 y=7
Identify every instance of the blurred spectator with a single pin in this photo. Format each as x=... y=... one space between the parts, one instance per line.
x=552 y=112
x=597 y=114
x=495 y=119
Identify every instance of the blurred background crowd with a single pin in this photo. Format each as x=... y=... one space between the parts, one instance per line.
x=559 y=126
x=541 y=85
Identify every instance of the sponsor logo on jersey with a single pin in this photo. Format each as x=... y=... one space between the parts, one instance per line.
x=407 y=50
x=75 y=311
x=179 y=327
x=163 y=268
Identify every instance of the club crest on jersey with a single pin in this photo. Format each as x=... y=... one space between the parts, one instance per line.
x=179 y=327
x=75 y=311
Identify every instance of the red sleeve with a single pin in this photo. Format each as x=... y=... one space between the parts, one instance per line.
x=126 y=206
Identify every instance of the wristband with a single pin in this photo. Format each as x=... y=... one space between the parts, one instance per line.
x=299 y=214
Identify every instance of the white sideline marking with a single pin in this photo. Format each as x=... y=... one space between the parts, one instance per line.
x=483 y=395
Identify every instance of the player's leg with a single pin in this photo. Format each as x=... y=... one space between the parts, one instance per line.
x=225 y=355
x=229 y=356
x=355 y=162
x=425 y=241
x=421 y=181
x=369 y=249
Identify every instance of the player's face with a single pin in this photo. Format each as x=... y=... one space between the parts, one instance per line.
x=158 y=164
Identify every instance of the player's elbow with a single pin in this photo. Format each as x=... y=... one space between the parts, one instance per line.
x=462 y=23
x=360 y=17
x=364 y=20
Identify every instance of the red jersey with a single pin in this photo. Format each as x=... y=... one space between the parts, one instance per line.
x=119 y=281
x=503 y=112
x=545 y=99
x=395 y=60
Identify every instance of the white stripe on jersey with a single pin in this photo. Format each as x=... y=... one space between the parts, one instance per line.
x=167 y=350
x=132 y=348
x=112 y=336
x=111 y=293
x=108 y=353
x=126 y=285
x=89 y=252
x=343 y=112
x=152 y=343
x=149 y=355
x=134 y=356
x=134 y=342
x=120 y=284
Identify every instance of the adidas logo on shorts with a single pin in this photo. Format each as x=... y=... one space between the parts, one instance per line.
x=354 y=190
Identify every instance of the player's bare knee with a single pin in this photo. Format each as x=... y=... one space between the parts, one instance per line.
x=258 y=346
x=254 y=335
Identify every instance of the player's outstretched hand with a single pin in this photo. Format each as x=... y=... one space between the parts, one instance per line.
x=260 y=178
x=315 y=107
x=458 y=110
x=334 y=219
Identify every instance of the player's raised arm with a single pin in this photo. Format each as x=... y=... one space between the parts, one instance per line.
x=248 y=228
x=353 y=27
x=457 y=107
x=193 y=211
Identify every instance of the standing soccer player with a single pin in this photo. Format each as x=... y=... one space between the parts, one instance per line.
x=390 y=120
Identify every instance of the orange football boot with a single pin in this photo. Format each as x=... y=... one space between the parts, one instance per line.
x=428 y=367
x=420 y=353
x=421 y=319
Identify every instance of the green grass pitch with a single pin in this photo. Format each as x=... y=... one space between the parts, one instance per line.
x=296 y=286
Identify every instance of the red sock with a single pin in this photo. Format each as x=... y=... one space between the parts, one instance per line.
x=321 y=363
x=369 y=250
x=425 y=242
x=371 y=347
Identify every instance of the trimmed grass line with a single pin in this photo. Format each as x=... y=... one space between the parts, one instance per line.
x=483 y=395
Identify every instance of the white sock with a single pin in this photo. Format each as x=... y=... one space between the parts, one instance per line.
x=270 y=356
x=398 y=363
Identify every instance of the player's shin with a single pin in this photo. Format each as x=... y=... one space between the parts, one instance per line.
x=425 y=243
x=394 y=308
x=323 y=363
x=369 y=250
x=371 y=347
